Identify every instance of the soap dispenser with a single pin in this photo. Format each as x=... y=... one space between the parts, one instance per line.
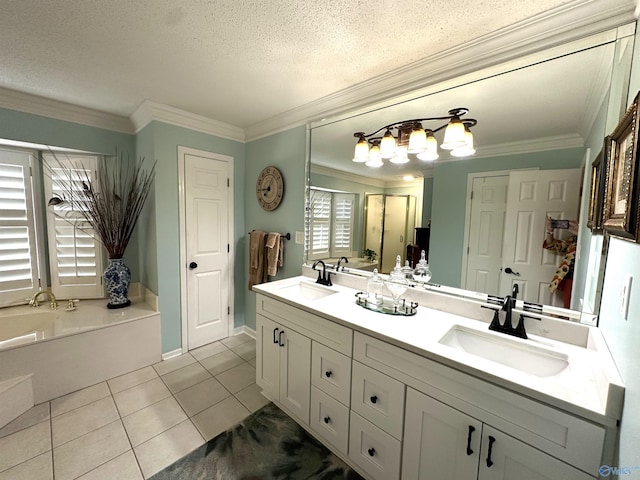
x=407 y=270
x=397 y=283
x=374 y=288
x=422 y=273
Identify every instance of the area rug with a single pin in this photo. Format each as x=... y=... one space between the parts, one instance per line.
x=265 y=445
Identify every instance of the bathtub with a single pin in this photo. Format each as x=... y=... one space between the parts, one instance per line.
x=69 y=350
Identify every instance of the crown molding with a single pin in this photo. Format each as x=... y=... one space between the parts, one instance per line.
x=47 y=107
x=149 y=111
x=350 y=177
x=528 y=146
x=568 y=23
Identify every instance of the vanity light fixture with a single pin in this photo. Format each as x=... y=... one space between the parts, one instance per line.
x=413 y=138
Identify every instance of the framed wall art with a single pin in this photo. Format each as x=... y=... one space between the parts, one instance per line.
x=597 y=191
x=621 y=193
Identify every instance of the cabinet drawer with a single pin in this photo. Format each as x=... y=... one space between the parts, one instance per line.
x=325 y=331
x=373 y=450
x=378 y=398
x=331 y=372
x=330 y=419
x=558 y=433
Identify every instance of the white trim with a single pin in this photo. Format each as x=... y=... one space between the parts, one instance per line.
x=47 y=107
x=149 y=111
x=244 y=329
x=526 y=146
x=182 y=151
x=172 y=354
x=350 y=177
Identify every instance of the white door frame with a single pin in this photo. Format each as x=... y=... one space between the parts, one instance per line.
x=182 y=151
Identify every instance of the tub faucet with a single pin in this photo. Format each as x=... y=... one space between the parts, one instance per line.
x=34 y=300
x=346 y=260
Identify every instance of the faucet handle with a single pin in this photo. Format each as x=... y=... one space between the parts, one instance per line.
x=53 y=305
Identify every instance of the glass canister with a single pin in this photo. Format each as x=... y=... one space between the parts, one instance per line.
x=397 y=283
x=374 y=288
x=422 y=273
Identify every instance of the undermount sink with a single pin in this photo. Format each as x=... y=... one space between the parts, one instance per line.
x=308 y=290
x=527 y=358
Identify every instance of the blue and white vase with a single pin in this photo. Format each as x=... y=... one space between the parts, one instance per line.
x=117 y=278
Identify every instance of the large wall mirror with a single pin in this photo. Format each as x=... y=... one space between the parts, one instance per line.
x=540 y=121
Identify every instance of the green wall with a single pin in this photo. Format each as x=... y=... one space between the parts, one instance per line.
x=165 y=267
x=449 y=203
x=286 y=151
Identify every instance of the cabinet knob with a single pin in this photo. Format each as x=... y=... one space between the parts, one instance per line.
x=328 y=373
x=327 y=419
x=371 y=452
x=374 y=399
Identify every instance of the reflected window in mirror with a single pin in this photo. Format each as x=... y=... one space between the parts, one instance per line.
x=331 y=223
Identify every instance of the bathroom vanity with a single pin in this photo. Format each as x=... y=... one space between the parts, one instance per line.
x=435 y=394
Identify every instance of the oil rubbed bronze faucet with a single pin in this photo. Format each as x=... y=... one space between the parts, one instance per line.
x=52 y=298
x=324 y=277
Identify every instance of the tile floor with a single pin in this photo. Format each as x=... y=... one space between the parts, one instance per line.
x=131 y=427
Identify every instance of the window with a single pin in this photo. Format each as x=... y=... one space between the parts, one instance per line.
x=18 y=259
x=331 y=223
x=75 y=257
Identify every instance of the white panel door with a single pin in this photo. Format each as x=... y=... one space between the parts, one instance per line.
x=207 y=245
x=439 y=441
x=532 y=195
x=488 y=205
x=295 y=373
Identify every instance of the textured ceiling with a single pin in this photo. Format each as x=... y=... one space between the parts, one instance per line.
x=236 y=61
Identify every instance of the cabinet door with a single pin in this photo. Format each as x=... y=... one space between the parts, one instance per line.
x=504 y=458
x=268 y=356
x=439 y=441
x=295 y=373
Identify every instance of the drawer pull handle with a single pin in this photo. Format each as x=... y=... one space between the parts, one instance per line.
x=371 y=452
x=275 y=331
x=328 y=373
x=327 y=419
x=374 y=399
x=489 y=461
x=471 y=430
x=280 y=338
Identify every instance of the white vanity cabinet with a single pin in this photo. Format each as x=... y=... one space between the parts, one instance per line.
x=442 y=442
x=284 y=338
x=398 y=413
x=283 y=363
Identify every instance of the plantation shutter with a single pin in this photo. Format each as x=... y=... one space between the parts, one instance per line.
x=320 y=224
x=18 y=258
x=75 y=256
x=343 y=206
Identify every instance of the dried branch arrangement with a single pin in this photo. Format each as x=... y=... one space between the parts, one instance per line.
x=110 y=205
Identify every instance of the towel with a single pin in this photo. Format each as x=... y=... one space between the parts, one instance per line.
x=275 y=246
x=257 y=264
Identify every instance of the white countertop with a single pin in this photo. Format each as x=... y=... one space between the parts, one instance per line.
x=589 y=387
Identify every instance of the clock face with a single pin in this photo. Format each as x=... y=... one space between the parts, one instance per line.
x=269 y=188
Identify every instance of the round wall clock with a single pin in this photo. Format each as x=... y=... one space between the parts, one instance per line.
x=270 y=188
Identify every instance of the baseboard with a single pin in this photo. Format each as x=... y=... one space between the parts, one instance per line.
x=173 y=353
x=244 y=329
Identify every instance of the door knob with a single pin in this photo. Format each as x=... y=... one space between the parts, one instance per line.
x=193 y=265
x=510 y=271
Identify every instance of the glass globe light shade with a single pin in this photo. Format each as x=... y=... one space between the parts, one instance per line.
x=453 y=135
x=361 y=153
x=467 y=149
x=387 y=145
x=400 y=156
x=417 y=140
